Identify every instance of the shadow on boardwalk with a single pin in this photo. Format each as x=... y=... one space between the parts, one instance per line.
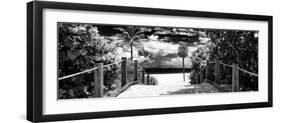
x=168 y=84
x=193 y=89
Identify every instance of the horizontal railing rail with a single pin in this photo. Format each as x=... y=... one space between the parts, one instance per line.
x=79 y=73
x=98 y=73
x=86 y=71
x=251 y=73
x=203 y=74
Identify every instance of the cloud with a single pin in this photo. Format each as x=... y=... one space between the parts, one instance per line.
x=177 y=62
x=204 y=40
x=160 y=54
x=158 y=47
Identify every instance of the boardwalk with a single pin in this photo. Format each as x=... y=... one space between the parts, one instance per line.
x=168 y=84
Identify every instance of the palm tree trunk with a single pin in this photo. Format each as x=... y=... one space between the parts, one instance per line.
x=183 y=69
x=132 y=49
x=132 y=52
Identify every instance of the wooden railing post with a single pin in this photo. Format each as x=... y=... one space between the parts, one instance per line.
x=235 y=78
x=142 y=76
x=124 y=71
x=207 y=70
x=198 y=78
x=147 y=79
x=198 y=81
x=96 y=83
x=100 y=79
x=201 y=77
x=135 y=70
x=217 y=72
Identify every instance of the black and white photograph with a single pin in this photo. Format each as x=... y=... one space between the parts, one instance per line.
x=89 y=61
x=126 y=61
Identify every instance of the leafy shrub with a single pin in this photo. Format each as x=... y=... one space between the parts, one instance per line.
x=153 y=80
x=80 y=48
x=238 y=47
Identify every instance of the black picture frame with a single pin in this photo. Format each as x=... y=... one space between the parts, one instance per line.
x=34 y=60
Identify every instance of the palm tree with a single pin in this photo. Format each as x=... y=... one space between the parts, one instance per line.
x=132 y=33
x=182 y=52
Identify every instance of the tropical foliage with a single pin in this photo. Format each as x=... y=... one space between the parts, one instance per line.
x=182 y=52
x=81 y=47
x=230 y=47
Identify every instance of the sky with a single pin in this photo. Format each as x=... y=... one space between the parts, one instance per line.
x=161 y=54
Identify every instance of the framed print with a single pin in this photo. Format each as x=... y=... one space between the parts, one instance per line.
x=89 y=61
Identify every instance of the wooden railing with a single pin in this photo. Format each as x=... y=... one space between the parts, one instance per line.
x=98 y=76
x=204 y=75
